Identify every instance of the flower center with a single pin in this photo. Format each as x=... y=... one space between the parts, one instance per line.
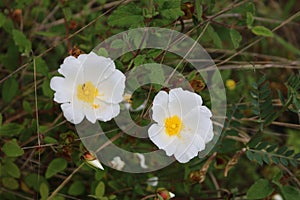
x=173 y=125
x=87 y=92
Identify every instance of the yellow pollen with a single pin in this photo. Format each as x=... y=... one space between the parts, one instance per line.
x=87 y=92
x=173 y=125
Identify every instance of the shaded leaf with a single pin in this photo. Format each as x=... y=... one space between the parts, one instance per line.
x=11 y=129
x=100 y=189
x=57 y=165
x=9 y=89
x=12 y=149
x=77 y=188
x=260 y=189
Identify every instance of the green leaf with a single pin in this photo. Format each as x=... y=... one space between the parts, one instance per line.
x=214 y=36
x=12 y=149
x=271 y=148
x=170 y=10
x=100 y=189
x=57 y=165
x=34 y=181
x=290 y=47
x=275 y=160
x=68 y=13
x=262 y=31
x=102 y=52
x=290 y=192
x=77 y=188
x=11 y=129
x=118 y=44
x=281 y=150
x=2 y=19
x=44 y=191
x=249 y=19
x=22 y=42
x=41 y=66
x=140 y=59
x=10 y=183
x=250 y=155
x=27 y=107
x=12 y=169
x=128 y=15
x=236 y=38
x=10 y=89
x=284 y=161
x=47 y=91
x=260 y=189
x=198 y=7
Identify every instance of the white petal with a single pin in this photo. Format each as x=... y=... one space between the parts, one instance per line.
x=70 y=67
x=62 y=92
x=198 y=122
x=106 y=111
x=209 y=134
x=160 y=107
x=185 y=153
x=111 y=89
x=170 y=149
x=90 y=113
x=71 y=114
x=158 y=136
x=181 y=102
x=96 y=68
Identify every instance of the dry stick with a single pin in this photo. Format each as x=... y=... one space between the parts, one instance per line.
x=65 y=181
x=37 y=116
x=51 y=48
x=291 y=174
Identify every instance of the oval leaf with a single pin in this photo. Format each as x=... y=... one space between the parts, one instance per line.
x=57 y=165
x=262 y=31
x=11 y=129
x=10 y=89
x=12 y=149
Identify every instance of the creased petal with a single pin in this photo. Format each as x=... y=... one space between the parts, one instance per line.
x=182 y=102
x=71 y=114
x=70 y=67
x=106 y=111
x=158 y=136
x=62 y=93
x=96 y=68
x=111 y=89
x=160 y=107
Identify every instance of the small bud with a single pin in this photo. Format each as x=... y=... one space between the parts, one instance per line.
x=164 y=193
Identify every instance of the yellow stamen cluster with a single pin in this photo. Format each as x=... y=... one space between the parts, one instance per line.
x=173 y=125
x=87 y=92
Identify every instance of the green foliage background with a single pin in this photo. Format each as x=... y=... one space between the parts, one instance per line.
x=254 y=43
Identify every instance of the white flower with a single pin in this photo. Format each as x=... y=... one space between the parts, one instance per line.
x=117 y=163
x=92 y=87
x=153 y=181
x=183 y=126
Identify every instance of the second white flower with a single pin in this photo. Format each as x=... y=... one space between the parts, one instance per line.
x=182 y=125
